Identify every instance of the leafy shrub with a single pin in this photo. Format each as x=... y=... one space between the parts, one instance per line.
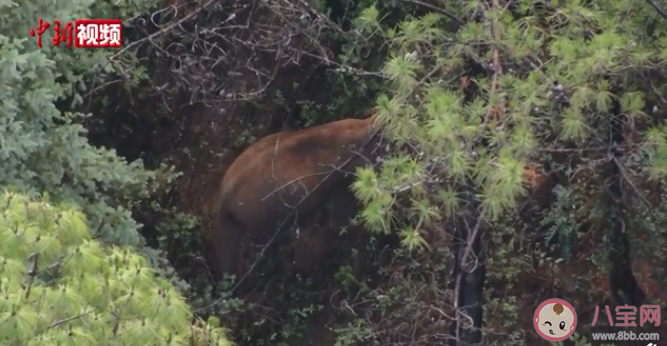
x=59 y=286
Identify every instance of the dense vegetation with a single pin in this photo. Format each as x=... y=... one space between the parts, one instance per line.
x=62 y=287
x=530 y=147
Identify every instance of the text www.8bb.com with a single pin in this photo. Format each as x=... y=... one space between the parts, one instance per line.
x=626 y=335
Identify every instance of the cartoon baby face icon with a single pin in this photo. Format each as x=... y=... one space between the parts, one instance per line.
x=555 y=320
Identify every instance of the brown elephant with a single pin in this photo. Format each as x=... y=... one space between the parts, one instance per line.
x=287 y=178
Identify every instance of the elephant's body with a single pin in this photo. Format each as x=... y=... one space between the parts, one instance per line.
x=287 y=177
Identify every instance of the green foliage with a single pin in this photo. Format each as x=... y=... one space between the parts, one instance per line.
x=62 y=287
x=354 y=332
x=522 y=87
x=562 y=221
x=43 y=148
x=565 y=101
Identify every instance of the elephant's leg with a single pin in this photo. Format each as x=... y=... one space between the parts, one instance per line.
x=228 y=235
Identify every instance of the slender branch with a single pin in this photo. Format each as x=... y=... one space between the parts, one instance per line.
x=69 y=319
x=579 y=150
x=471 y=242
x=436 y=9
x=162 y=31
x=657 y=8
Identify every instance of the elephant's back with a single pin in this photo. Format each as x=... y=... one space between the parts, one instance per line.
x=251 y=187
x=278 y=171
